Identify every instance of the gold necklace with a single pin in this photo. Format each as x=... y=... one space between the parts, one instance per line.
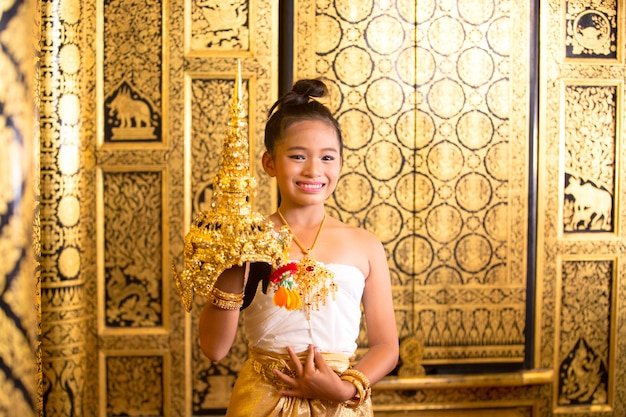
x=314 y=281
x=295 y=238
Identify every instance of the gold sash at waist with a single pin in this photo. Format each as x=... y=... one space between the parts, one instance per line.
x=256 y=391
x=264 y=363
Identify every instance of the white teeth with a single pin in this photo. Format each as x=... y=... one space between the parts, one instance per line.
x=311 y=186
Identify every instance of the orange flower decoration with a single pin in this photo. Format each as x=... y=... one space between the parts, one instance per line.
x=285 y=291
x=287 y=298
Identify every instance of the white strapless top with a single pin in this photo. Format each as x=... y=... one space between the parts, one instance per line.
x=334 y=328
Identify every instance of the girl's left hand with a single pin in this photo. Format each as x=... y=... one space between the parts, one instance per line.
x=314 y=378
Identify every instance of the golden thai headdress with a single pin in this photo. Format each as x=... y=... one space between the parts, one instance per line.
x=229 y=233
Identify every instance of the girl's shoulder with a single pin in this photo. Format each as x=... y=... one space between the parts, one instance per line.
x=335 y=222
x=352 y=245
x=353 y=235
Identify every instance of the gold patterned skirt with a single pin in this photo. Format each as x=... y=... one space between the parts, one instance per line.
x=255 y=393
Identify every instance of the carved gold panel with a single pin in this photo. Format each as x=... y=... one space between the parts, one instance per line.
x=122 y=371
x=586 y=334
x=434 y=98
x=133 y=61
x=591 y=149
x=593 y=30
x=132 y=262
x=220 y=28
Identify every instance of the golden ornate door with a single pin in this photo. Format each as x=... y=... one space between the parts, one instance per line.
x=435 y=99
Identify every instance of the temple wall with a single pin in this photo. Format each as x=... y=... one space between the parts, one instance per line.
x=483 y=147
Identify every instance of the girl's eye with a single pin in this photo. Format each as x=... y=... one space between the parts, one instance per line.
x=297 y=157
x=328 y=158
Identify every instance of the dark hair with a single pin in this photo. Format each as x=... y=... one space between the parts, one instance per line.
x=297 y=105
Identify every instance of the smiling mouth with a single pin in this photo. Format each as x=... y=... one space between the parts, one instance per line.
x=311 y=187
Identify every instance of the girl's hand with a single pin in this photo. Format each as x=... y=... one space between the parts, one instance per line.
x=314 y=379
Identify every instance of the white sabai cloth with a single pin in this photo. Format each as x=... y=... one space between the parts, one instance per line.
x=334 y=328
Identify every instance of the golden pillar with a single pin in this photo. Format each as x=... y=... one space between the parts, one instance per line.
x=18 y=328
x=66 y=329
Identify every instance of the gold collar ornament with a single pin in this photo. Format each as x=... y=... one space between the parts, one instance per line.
x=229 y=233
x=303 y=284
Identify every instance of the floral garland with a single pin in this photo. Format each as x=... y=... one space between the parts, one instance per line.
x=286 y=293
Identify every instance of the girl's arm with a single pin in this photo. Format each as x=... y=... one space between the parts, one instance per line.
x=383 y=345
x=218 y=327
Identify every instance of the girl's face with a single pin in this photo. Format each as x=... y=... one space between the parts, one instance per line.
x=306 y=163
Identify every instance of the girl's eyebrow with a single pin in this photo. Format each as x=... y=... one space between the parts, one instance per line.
x=302 y=148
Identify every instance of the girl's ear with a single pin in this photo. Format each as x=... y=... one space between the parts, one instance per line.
x=268 y=164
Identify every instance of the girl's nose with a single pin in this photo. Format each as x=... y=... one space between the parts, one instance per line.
x=313 y=167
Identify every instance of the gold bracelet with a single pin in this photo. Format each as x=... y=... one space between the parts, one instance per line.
x=227 y=296
x=226 y=300
x=359 y=397
x=358 y=375
x=362 y=384
x=226 y=305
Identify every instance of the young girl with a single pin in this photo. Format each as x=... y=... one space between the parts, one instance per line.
x=302 y=322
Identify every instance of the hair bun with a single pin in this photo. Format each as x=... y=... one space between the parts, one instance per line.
x=310 y=88
x=303 y=91
x=298 y=104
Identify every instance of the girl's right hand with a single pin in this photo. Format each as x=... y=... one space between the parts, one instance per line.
x=314 y=379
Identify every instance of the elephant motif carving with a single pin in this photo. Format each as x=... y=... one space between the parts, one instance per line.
x=130 y=111
x=130 y=116
x=592 y=208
